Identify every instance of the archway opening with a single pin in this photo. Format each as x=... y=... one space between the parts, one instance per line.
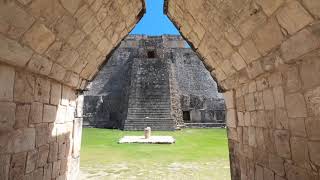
x=152 y=81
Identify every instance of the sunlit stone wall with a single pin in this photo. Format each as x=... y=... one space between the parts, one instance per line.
x=48 y=49
x=265 y=54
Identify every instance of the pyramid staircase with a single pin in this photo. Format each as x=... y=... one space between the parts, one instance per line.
x=149 y=96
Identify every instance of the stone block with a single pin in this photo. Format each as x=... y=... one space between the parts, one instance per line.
x=76 y=38
x=53 y=152
x=36 y=113
x=293 y=82
x=39 y=38
x=270 y=6
x=48 y=11
x=268 y=99
x=252 y=87
x=42 y=134
x=312 y=126
x=22 y=116
x=61 y=114
x=13 y=53
x=293 y=17
x=237 y=61
x=268 y=37
x=68 y=96
x=252 y=136
x=17 y=166
x=276 y=163
x=254 y=69
x=258 y=172
x=249 y=102
x=247 y=118
x=224 y=48
x=56 y=92
x=91 y=25
x=47 y=171
x=49 y=113
x=57 y=72
x=42 y=157
x=56 y=169
x=281 y=119
x=279 y=177
x=252 y=23
x=295 y=173
x=296 y=105
x=39 y=64
x=299 y=150
x=68 y=57
x=71 y=5
x=97 y=35
x=249 y=52
x=105 y=46
x=77 y=134
x=22 y=140
x=275 y=79
x=31 y=161
x=54 y=50
x=240 y=116
x=233 y=36
x=313 y=6
x=65 y=27
x=279 y=97
x=232 y=134
x=282 y=143
x=268 y=174
x=7 y=118
x=314 y=150
x=227 y=68
x=299 y=44
x=4 y=166
x=231 y=118
x=262 y=84
x=14 y=20
x=229 y=99
x=71 y=79
x=42 y=90
x=240 y=104
x=258 y=100
x=310 y=71
x=6 y=83
x=297 y=127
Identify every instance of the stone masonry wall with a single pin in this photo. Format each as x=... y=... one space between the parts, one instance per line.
x=265 y=54
x=48 y=49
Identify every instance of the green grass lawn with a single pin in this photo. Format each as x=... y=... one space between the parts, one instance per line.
x=197 y=154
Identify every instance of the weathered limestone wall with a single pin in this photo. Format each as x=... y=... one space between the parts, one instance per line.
x=197 y=91
x=265 y=54
x=48 y=49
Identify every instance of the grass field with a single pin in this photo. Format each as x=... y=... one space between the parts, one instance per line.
x=197 y=154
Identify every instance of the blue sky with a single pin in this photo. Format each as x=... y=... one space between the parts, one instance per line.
x=154 y=22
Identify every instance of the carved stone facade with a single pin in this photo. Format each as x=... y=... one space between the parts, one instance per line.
x=152 y=81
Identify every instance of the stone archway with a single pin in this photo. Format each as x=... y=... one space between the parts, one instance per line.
x=265 y=54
